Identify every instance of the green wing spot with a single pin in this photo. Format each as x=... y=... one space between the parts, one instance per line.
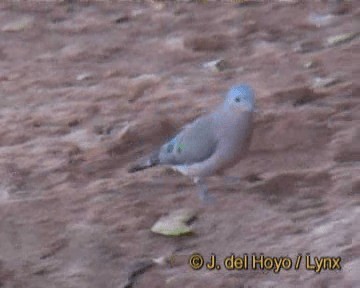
x=180 y=148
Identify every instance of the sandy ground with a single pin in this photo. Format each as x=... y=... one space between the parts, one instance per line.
x=86 y=88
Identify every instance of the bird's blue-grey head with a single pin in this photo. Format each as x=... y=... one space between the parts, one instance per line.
x=242 y=97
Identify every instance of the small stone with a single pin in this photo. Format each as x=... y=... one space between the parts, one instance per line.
x=341 y=38
x=161 y=260
x=311 y=64
x=84 y=76
x=138 y=85
x=320 y=82
x=216 y=65
x=122 y=19
x=73 y=51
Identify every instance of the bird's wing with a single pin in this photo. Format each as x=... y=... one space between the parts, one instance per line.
x=195 y=143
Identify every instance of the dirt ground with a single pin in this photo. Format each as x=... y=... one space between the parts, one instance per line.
x=87 y=87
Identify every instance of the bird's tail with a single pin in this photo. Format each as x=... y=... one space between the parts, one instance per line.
x=151 y=161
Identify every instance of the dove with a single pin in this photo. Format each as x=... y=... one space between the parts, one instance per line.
x=211 y=143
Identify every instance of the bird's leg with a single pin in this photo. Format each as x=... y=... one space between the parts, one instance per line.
x=204 y=191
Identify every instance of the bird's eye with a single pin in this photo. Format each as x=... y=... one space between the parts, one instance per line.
x=237 y=99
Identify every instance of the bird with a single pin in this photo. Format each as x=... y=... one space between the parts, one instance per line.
x=211 y=143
